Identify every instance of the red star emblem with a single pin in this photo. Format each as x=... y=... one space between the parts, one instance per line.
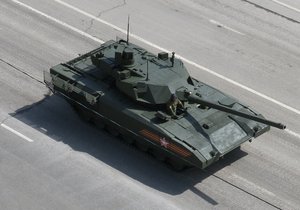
x=164 y=142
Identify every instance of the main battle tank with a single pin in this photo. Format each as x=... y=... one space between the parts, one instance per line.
x=126 y=89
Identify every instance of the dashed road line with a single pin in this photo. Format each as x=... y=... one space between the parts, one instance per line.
x=226 y=27
x=286 y=5
x=292 y=133
x=251 y=185
x=16 y=132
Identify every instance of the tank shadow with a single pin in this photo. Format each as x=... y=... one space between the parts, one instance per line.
x=55 y=118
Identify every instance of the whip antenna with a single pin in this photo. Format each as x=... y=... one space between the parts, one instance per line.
x=128 y=29
x=147 y=78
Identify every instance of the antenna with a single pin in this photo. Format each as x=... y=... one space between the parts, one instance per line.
x=172 y=58
x=147 y=78
x=128 y=29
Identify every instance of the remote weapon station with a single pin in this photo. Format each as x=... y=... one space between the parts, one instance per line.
x=134 y=94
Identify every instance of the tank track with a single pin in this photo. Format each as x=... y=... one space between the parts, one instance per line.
x=172 y=162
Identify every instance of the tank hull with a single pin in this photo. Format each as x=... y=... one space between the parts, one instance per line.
x=123 y=118
x=130 y=106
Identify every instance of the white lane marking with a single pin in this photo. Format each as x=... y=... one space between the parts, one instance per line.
x=162 y=49
x=182 y=58
x=58 y=21
x=252 y=185
x=16 y=132
x=226 y=27
x=286 y=5
x=92 y=16
x=292 y=133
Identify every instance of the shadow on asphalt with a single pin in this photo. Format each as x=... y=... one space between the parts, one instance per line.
x=55 y=118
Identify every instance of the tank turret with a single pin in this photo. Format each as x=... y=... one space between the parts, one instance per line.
x=139 y=74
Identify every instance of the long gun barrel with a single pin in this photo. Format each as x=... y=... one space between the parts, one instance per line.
x=196 y=99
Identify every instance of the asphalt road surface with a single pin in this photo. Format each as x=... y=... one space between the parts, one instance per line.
x=50 y=159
